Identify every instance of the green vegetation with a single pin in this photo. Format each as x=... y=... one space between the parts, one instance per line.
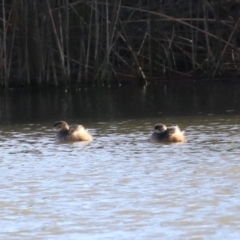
x=76 y=41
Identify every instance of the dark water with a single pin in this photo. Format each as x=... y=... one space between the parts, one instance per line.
x=121 y=103
x=121 y=186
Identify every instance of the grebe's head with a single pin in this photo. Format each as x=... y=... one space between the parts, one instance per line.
x=61 y=125
x=160 y=127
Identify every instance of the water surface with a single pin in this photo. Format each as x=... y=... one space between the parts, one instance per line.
x=121 y=186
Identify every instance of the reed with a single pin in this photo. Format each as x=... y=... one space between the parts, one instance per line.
x=56 y=42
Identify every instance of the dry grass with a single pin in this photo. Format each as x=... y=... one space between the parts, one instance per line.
x=75 y=41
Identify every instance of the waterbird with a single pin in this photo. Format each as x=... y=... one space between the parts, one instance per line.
x=172 y=134
x=73 y=133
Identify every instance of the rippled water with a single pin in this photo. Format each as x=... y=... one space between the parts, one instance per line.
x=121 y=186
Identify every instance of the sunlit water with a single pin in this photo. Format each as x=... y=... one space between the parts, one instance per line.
x=121 y=186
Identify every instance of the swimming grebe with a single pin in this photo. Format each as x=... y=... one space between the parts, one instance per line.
x=72 y=133
x=167 y=134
